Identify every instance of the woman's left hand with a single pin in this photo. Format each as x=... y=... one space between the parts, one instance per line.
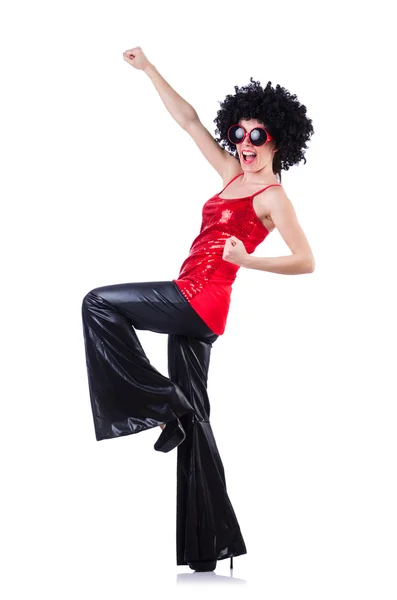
x=234 y=251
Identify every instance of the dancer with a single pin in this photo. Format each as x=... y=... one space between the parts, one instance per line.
x=262 y=131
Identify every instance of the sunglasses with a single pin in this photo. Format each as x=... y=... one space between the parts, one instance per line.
x=258 y=136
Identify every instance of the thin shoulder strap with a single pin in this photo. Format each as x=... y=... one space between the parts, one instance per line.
x=238 y=175
x=266 y=188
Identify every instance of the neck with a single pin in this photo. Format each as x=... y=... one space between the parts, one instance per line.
x=264 y=175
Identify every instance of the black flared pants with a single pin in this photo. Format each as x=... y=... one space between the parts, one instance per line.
x=128 y=394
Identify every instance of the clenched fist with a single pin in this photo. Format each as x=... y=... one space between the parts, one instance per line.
x=234 y=251
x=136 y=58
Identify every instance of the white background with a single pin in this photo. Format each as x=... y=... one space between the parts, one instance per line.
x=100 y=185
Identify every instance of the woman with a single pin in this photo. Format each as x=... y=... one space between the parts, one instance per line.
x=264 y=132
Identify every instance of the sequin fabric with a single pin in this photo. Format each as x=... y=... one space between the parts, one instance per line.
x=205 y=278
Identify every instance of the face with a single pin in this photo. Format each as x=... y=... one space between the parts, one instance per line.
x=264 y=153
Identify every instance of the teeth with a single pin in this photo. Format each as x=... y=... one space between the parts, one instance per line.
x=249 y=153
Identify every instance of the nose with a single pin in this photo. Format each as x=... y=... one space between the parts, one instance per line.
x=246 y=141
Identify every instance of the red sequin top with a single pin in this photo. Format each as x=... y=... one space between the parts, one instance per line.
x=205 y=278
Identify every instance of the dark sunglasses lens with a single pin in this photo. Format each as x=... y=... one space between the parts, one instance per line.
x=236 y=134
x=258 y=137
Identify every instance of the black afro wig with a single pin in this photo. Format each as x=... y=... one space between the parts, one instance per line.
x=279 y=111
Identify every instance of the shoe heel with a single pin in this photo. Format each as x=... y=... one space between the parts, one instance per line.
x=171 y=436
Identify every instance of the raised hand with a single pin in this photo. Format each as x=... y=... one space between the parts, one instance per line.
x=136 y=58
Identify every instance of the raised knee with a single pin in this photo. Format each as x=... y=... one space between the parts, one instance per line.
x=88 y=299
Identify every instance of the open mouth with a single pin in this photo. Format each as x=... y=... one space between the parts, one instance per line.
x=248 y=157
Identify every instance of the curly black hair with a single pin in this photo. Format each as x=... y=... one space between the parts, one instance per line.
x=279 y=111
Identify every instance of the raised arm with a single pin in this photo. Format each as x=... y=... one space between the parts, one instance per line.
x=184 y=114
x=179 y=109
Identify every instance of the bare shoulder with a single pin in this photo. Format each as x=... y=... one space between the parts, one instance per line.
x=281 y=213
x=273 y=196
x=268 y=204
x=232 y=169
x=219 y=158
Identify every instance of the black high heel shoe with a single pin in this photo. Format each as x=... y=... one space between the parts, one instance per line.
x=202 y=565
x=172 y=435
x=206 y=565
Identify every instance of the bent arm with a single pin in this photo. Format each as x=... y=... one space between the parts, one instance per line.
x=179 y=109
x=285 y=219
x=295 y=264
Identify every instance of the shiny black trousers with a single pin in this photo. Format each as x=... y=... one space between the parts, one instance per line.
x=129 y=395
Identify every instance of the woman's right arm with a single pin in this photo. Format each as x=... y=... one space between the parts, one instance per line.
x=179 y=109
x=186 y=116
